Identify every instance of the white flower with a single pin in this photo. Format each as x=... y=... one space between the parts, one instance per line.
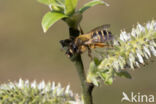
x=124 y=36
x=140 y=58
x=153 y=50
x=59 y=89
x=20 y=83
x=67 y=89
x=137 y=64
x=53 y=86
x=34 y=84
x=48 y=92
x=131 y=60
x=147 y=51
x=154 y=25
x=152 y=43
x=133 y=33
x=131 y=50
x=141 y=28
x=148 y=26
x=41 y=85
x=26 y=83
x=116 y=65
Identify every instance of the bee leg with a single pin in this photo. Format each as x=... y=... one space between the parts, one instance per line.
x=89 y=53
x=101 y=45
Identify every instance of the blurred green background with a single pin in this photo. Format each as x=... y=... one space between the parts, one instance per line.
x=27 y=53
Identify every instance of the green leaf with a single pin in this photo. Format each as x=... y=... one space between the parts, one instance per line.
x=74 y=20
x=93 y=67
x=91 y=4
x=56 y=5
x=97 y=61
x=92 y=76
x=103 y=75
x=60 y=1
x=124 y=73
x=107 y=77
x=70 y=6
x=50 y=18
x=109 y=81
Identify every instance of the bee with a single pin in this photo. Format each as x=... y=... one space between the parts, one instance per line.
x=98 y=37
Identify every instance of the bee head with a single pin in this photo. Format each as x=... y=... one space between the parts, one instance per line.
x=71 y=47
x=71 y=50
x=65 y=43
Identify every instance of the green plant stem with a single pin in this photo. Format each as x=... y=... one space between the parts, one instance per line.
x=86 y=92
x=87 y=88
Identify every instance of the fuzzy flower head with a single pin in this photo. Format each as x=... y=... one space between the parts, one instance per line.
x=131 y=50
x=24 y=92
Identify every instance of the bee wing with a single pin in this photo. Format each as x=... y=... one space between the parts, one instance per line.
x=99 y=28
x=103 y=27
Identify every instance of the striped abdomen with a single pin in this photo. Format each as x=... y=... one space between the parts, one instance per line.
x=102 y=36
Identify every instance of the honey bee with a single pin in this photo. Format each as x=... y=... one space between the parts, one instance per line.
x=98 y=37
